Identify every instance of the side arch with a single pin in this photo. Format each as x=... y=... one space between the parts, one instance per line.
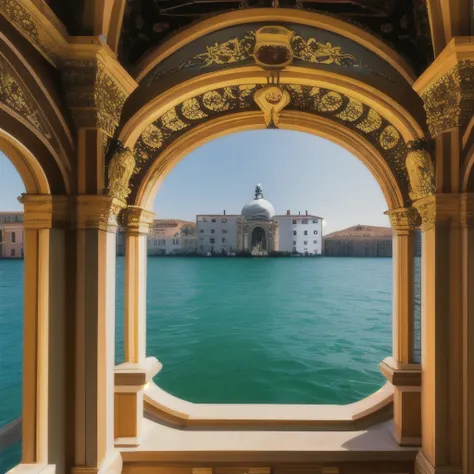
x=289 y=120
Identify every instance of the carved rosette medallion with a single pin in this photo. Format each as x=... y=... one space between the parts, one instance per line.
x=449 y=103
x=420 y=170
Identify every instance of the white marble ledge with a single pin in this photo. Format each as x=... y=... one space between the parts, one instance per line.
x=165 y=444
x=157 y=402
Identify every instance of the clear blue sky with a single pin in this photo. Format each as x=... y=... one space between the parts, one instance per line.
x=298 y=171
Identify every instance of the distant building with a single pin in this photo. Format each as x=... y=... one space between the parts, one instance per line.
x=166 y=237
x=11 y=234
x=258 y=231
x=300 y=233
x=359 y=241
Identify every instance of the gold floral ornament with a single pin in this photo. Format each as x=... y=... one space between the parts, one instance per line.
x=152 y=136
x=120 y=171
x=272 y=100
x=231 y=51
x=314 y=51
x=420 y=171
x=389 y=137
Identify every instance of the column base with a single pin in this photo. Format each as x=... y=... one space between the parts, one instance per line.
x=423 y=466
x=33 y=469
x=111 y=465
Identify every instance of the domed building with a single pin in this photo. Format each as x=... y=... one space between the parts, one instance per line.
x=257 y=231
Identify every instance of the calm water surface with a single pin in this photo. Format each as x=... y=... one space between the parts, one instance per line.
x=293 y=330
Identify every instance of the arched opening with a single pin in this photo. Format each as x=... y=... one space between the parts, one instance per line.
x=259 y=241
x=11 y=313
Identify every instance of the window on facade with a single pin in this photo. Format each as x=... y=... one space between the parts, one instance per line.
x=177 y=241
x=315 y=241
x=212 y=241
x=224 y=221
x=294 y=232
x=294 y=221
x=202 y=231
x=13 y=237
x=213 y=220
x=304 y=221
x=305 y=242
x=204 y=219
x=315 y=221
x=12 y=253
x=224 y=231
x=305 y=232
x=315 y=232
x=294 y=242
x=213 y=231
x=223 y=240
x=156 y=242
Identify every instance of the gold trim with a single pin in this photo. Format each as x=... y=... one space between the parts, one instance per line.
x=279 y=15
x=289 y=120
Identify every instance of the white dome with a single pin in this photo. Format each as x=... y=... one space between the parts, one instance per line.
x=258 y=209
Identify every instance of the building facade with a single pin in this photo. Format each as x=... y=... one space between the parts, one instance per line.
x=258 y=231
x=11 y=235
x=166 y=237
x=359 y=241
x=301 y=234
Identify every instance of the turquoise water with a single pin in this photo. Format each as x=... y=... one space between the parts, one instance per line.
x=291 y=330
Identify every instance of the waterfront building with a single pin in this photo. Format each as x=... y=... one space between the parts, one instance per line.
x=166 y=237
x=359 y=241
x=11 y=234
x=301 y=234
x=100 y=100
x=258 y=231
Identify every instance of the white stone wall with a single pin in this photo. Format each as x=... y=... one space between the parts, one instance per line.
x=300 y=233
x=216 y=232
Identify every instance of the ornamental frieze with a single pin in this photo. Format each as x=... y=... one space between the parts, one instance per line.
x=319 y=101
x=15 y=96
x=449 y=103
x=93 y=94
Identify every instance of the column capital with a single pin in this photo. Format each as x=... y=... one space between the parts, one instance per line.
x=45 y=211
x=447 y=88
x=96 y=85
x=97 y=212
x=440 y=210
x=138 y=220
x=404 y=220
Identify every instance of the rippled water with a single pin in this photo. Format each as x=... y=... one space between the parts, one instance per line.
x=292 y=330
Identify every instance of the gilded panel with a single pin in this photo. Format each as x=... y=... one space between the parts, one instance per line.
x=323 y=102
x=15 y=96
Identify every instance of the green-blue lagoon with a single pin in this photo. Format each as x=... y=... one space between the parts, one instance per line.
x=240 y=330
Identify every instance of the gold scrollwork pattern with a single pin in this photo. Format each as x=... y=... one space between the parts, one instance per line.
x=324 y=102
x=241 y=49
x=21 y=18
x=449 y=103
x=93 y=94
x=14 y=95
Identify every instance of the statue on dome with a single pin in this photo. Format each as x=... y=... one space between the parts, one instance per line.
x=258 y=191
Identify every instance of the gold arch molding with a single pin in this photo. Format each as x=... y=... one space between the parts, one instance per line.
x=148 y=186
x=285 y=15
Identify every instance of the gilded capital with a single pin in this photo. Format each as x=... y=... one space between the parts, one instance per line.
x=467 y=210
x=96 y=87
x=46 y=211
x=449 y=101
x=138 y=221
x=420 y=170
x=97 y=212
x=404 y=220
x=440 y=210
x=120 y=170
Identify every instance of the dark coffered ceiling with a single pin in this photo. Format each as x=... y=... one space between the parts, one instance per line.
x=403 y=24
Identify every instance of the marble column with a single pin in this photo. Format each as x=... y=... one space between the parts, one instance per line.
x=401 y=369
x=136 y=372
x=46 y=218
